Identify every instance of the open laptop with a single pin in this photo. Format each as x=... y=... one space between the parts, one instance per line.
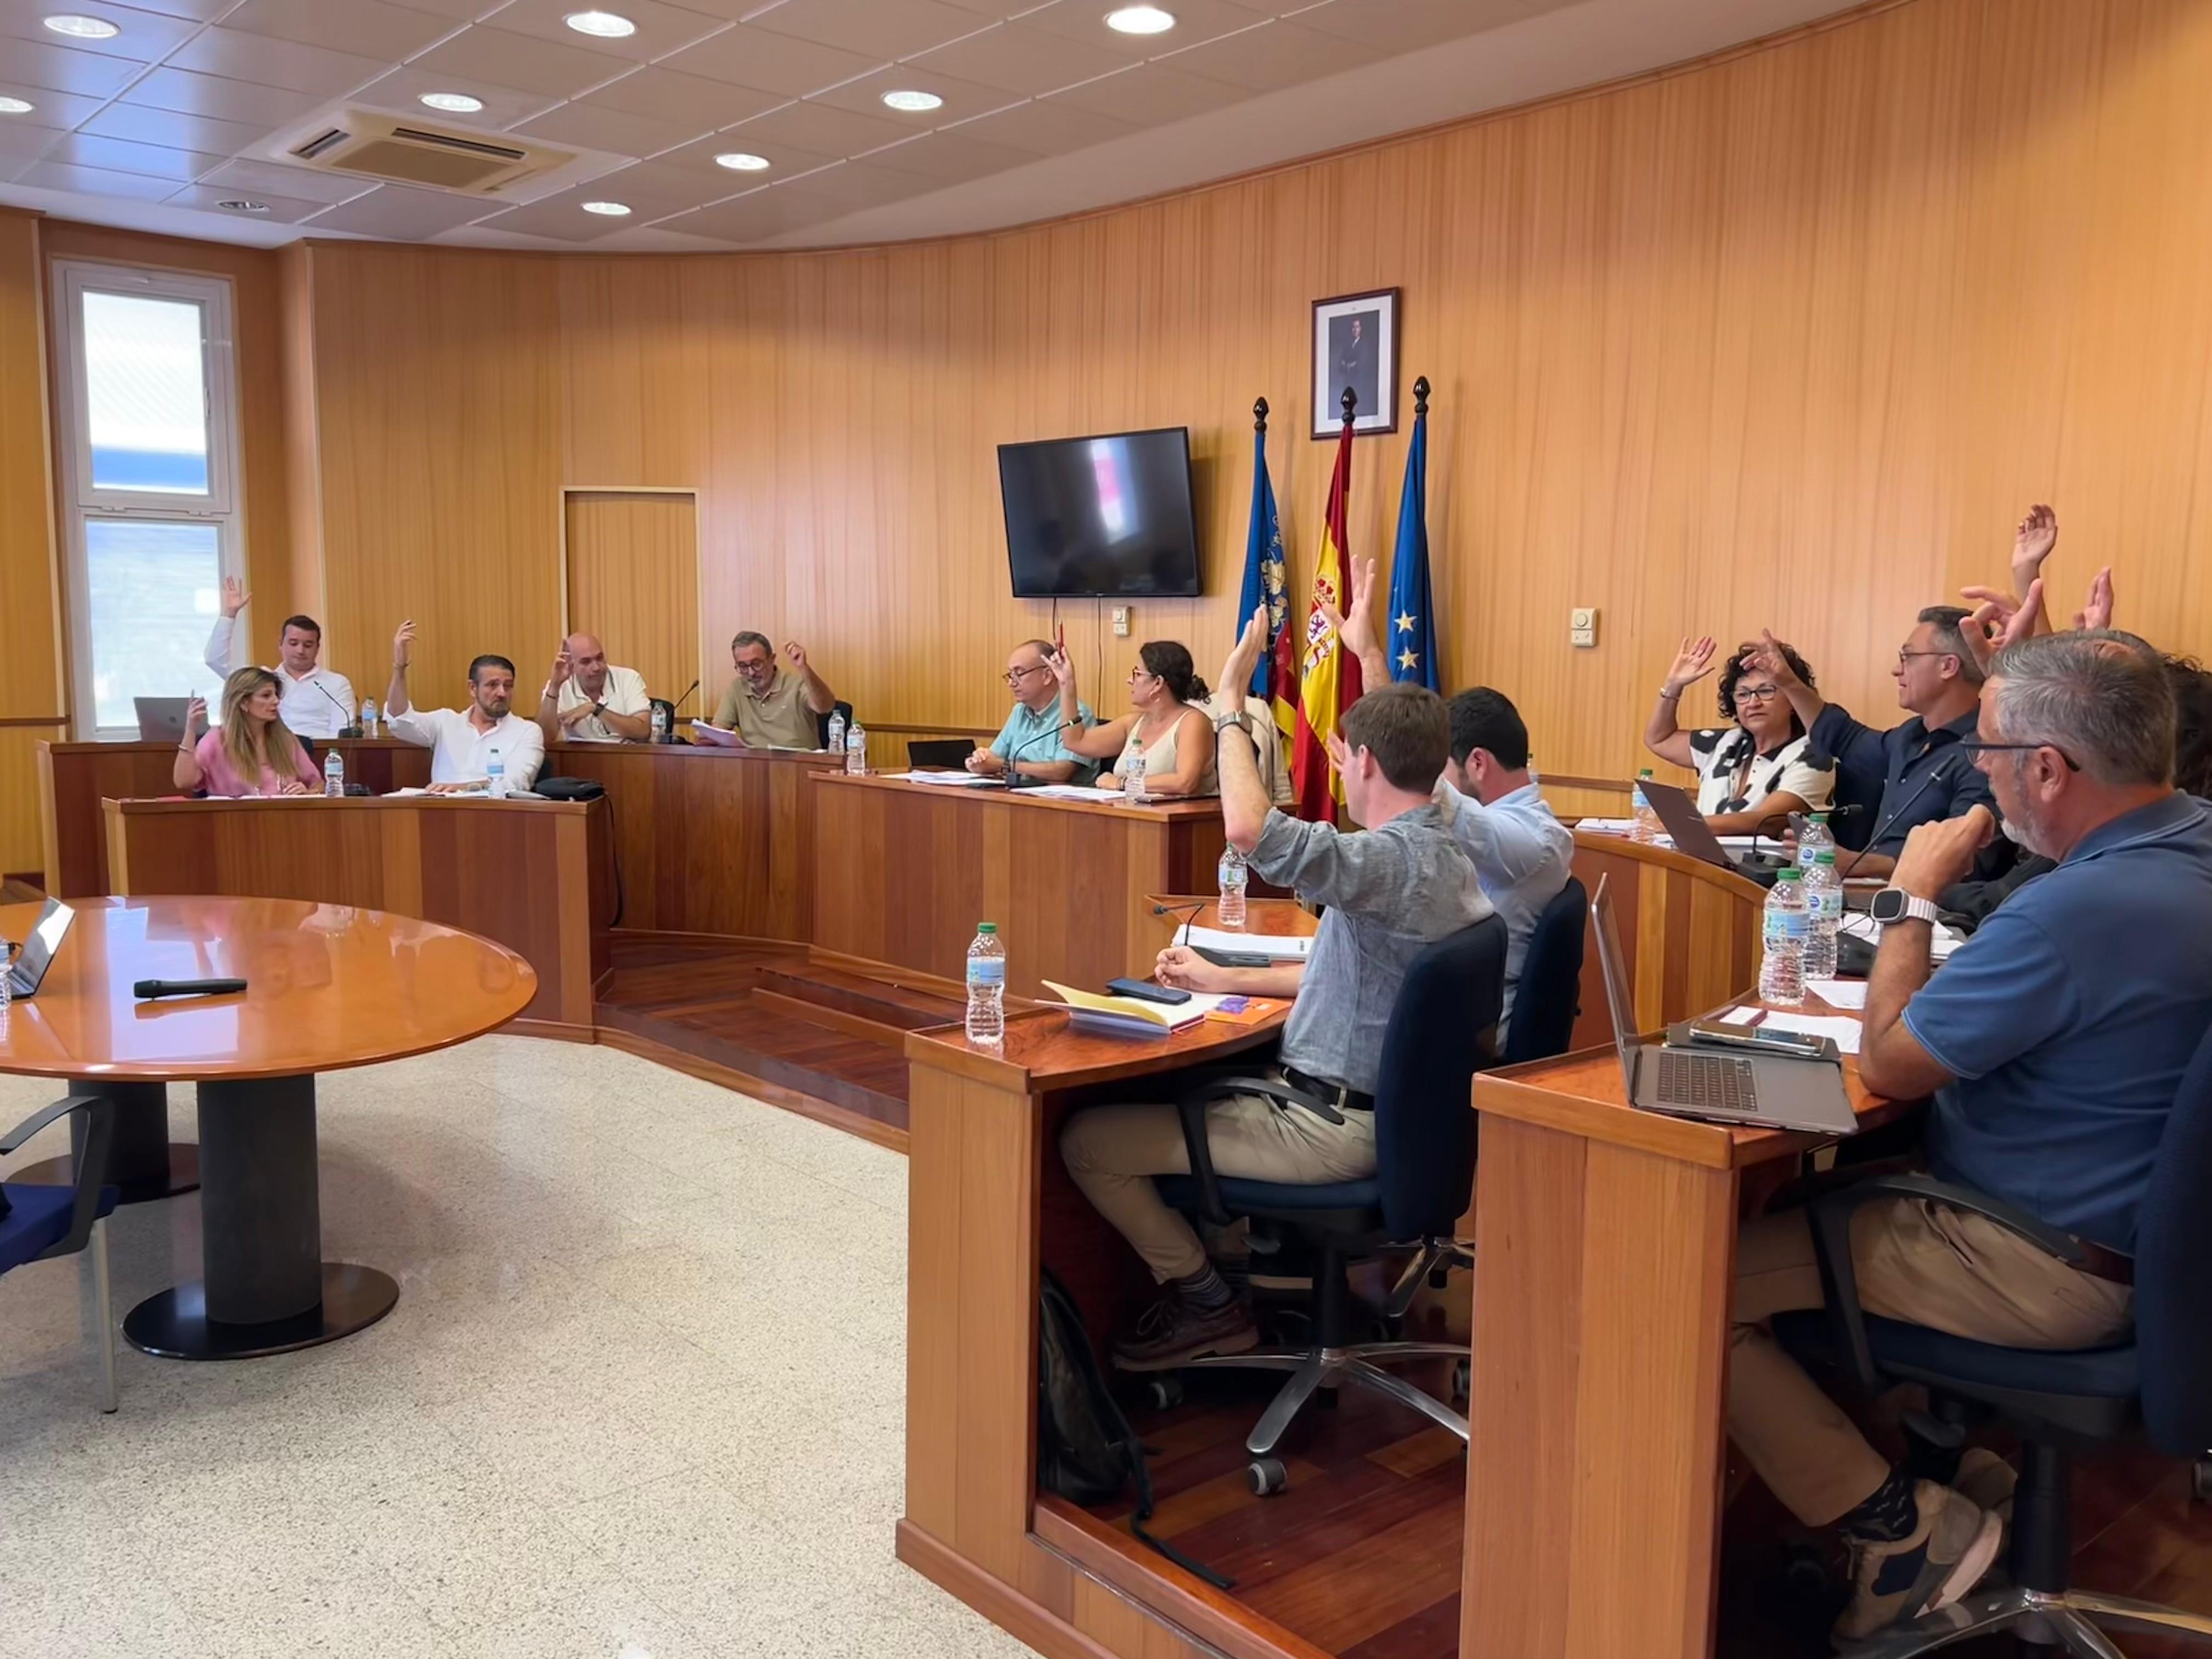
x=1757 y=1090
x=28 y=969
x=160 y=719
x=1691 y=833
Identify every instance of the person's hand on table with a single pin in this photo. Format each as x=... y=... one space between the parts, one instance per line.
x=1185 y=970
x=1938 y=856
x=576 y=716
x=471 y=788
x=985 y=764
x=293 y=787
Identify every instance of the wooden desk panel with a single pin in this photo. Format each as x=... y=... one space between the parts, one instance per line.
x=510 y=871
x=905 y=871
x=74 y=778
x=708 y=841
x=1689 y=929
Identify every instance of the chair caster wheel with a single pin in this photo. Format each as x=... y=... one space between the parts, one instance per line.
x=1462 y=1382
x=1266 y=1476
x=1163 y=1393
x=2200 y=1481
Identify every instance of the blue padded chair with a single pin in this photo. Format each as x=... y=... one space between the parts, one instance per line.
x=1423 y=1177
x=2057 y=1403
x=39 y=1223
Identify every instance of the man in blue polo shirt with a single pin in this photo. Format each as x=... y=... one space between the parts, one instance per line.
x=1030 y=744
x=2053 y=1043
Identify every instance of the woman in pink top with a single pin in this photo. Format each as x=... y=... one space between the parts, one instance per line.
x=254 y=754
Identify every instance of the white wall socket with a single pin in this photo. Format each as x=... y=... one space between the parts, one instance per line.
x=1120 y=622
x=1582 y=627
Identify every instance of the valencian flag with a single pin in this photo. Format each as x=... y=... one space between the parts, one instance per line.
x=1412 y=636
x=1328 y=681
x=1267 y=582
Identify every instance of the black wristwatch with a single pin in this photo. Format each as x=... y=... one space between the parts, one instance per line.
x=1894 y=904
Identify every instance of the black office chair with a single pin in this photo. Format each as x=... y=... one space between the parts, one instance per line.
x=39 y=1222
x=1424 y=1176
x=837 y=710
x=2057 y=1403
x=951 y=753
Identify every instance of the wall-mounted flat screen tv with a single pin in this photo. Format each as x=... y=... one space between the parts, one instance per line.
x=1100 y=518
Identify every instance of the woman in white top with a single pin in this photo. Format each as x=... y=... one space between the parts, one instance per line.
x=1173 y=735
x=1752 y=774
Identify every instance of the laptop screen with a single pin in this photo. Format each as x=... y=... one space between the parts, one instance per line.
x=30 y=964
x=1619 y=995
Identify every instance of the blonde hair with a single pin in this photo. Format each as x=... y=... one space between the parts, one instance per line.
x=239 y=742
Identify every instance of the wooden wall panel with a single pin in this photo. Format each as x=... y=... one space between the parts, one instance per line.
x=31 y=689
x=634 y=581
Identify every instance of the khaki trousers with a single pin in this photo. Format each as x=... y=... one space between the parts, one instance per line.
x=1916 y=1261
x=1113 y=1152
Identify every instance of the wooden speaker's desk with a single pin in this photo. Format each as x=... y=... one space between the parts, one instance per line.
x=905 y=871
x=74 y=778
x=532 y=875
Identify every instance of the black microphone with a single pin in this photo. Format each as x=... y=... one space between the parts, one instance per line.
x=1189 y=915
x=1013 y=776
x=347 y=727
x=147 y=989
x=685 y=698
x=1941 y=769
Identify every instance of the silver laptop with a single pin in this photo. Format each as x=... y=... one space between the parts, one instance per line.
x=160 y=719
x=1759 y=1090
x=28 y=969
x=1686 y=827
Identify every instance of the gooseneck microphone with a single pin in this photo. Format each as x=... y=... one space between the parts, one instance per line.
x=1187 y=912
x=1942 y=769
x=1014 y=773
x=347 y=727
x=685 y=698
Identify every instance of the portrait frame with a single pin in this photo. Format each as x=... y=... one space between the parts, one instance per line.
x=1344 y=354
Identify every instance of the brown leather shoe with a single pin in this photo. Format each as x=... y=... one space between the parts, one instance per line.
x=1172 y=1333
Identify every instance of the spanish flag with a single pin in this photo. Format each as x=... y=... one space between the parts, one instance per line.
x=1328 y=681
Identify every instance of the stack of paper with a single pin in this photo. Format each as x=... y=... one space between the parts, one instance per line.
x=967 y=779
x=1131 y=1016
x=1071 y=792
x=1276 y=947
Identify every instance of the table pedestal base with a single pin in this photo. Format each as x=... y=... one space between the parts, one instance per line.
x=142 y=1162
x=173 y=1324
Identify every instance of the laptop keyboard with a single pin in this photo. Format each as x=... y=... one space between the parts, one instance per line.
x=1706 y=1083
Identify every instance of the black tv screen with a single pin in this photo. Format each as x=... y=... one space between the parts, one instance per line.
x=1100 y=518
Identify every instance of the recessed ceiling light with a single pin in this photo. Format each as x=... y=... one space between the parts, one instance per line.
x=912 y=101
x=454 y=103
x=1141 y=20
x=16 y=107
x=80 y=27
x=740 y=160
x=612 y=210
x=239 y=204
x=607 y=25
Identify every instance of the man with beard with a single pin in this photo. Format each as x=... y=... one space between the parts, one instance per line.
x=2052 y=1043
x=462 y=742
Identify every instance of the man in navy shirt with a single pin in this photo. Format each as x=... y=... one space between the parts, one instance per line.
x=1916 y=768
x=2052 y=1042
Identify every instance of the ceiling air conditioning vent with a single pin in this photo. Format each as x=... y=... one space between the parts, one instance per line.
x=373 y=145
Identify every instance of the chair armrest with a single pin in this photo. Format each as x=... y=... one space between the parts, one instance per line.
x=1830 y=1216
x=91 y=1166
x=39 y=1119
x=1193 y=1107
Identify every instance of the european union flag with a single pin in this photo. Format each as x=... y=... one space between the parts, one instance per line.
x=1410 y=637
x=1265 y=579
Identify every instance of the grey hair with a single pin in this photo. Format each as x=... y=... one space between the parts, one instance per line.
x=2101 y=694
x=750 y=638
x=1043 y=648
x=1949 y=622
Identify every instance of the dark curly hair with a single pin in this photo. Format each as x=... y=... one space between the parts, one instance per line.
x=2193 y=734
x=1732 y=672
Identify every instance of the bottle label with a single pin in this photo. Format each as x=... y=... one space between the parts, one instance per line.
x=986 y=971
x=1792 y=926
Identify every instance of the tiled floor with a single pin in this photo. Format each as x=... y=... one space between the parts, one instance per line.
x=642 y=1397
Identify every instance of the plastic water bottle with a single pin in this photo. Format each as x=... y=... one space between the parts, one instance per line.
x=1133 y=778
x=495 y=770
x=659 y=723
x=334 y=772
x=1230 y=879
x=1647 y=829
x=1824 y=906
x=986 y=986
x=856 y=748
x=1782 y=975
x=368 y=717
x=837 y=743
x=7 y=987
x=1816 y=839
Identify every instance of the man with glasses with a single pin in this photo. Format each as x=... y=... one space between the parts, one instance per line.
x=1915 y=768
x=1032 y=743
x=765 y=708
x=2052 y=1042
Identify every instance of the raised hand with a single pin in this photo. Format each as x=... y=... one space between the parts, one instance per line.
x=2000 y=620
x=2032 y=544
x=1692 y=662
x=797 y=655
x=1237 y=667
x=1355 y=624
x=235 y=599
x=1773 y=663
x=403 y=643
x=562 y=668
x=2097 y=613
x=1062 y=667
x=195 y=718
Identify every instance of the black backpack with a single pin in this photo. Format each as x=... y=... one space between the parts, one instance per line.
x=1086 y=1450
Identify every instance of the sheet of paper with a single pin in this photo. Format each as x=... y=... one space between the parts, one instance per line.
x=1607 y=826
x=1741 y=1016
x=709 y=725
x=1839 y=993
x=955 y=780
x=1276 y=947
x=1070 y=791
x=1169 y=1017
x=1844 y=1031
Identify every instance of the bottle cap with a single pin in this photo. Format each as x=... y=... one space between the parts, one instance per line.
x=1645 y=772
x=1819 y=817
x=1824 y=855
x=987 y=927
x=1789 y=872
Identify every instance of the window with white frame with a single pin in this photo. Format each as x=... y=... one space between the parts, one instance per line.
x=150 y=463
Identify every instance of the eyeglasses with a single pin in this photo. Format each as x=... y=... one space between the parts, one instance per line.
x=1136 y=674
x=1904 y=656
x=1016 y=676
x=1757 y=693
x=1976 y=746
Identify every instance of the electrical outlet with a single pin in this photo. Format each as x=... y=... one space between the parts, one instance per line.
x=1582 y=627
x=1120 y=622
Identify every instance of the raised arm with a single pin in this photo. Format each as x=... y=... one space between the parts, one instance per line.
x=1663 y=733
x=2032 y=544
x=184 y=771
x=1355 y=627
x=222 y=639
x=1101 y=742
x=395 y=695
x=549 y=700
x=819 y=697
x=1244 y=803
x=1803 y=698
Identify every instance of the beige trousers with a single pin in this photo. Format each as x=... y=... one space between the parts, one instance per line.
x=1113 y=1152
x=1916 y=1261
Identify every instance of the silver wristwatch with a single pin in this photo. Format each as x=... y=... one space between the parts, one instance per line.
x=1894 y=904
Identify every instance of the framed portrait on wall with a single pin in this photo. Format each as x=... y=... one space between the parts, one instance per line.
x=1355 y=343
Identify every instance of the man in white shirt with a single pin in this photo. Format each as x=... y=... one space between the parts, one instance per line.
x=462 y=742
x=316 y=703
x=587 y=701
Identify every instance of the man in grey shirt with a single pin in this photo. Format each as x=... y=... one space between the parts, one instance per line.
x=1391 y=889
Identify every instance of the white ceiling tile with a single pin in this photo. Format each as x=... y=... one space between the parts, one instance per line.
x=653 y=189
x=697 y=161
x=143 y=125
x=748 y=57
x=962 y=98
x=220 y=99
x=1196 y=21
x=1046 y=127
x=855 y=185
x=587 y=126
x=503 y=107
x=948 y=158
x=244 y=178
x=20 y=144
x=1151 y=95
x=142 y=37
x=693 y=100
x=1015 y=59
x=93 y=181
x=751 y=218
x=198 y=11
x=283 y=209
x=404 y=215
x=1269 y=56
x=120 y=155
x=1392 y=27
x=370 y=27
x=563 y=216
x=521 y=61
x=286 y=64
x=820 y=127
x=662 y=28
x=897 y=28
x=61 y=110
x=64 y=69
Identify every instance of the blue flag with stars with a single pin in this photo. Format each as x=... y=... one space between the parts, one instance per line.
x=1265 y=579
x=1411 y=634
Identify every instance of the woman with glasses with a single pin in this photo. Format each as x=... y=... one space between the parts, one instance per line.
x=1755 y=772
x=1173 y=734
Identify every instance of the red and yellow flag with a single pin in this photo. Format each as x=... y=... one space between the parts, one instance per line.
x=1327 y=680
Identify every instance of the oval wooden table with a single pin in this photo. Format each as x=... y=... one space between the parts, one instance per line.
x=328 y=987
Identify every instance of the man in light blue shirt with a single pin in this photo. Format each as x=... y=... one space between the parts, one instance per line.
x=1031 y=742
